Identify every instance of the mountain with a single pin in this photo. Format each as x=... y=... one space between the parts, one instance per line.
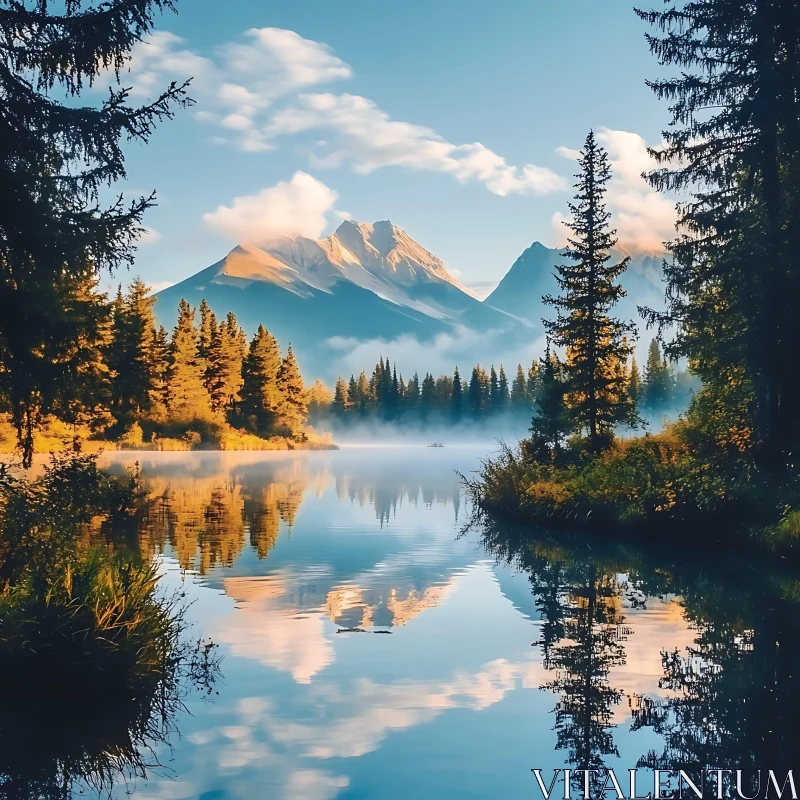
x=532 y=275
x=363 y=282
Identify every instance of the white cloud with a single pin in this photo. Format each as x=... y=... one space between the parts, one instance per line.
x=366 y=137
x=644 y=218
x=237 y=90
x=294 y=208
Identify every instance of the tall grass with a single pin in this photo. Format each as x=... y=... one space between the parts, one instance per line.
x=94 y=660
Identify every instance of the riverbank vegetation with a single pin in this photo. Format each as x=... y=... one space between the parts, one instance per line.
x=732 y=290
x=94 y=659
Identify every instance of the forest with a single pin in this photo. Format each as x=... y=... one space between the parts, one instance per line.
x=385 y=396
x=202 y=385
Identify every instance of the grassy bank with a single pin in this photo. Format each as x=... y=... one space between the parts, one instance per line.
x=55 y=436
x=681 y=481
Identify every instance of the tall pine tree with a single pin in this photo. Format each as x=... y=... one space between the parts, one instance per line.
x=734 y=141
x=595 y=341
x=261 y=398
x=293 y=410
x=187 y=397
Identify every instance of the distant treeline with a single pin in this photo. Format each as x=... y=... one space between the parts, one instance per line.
x=385 y=394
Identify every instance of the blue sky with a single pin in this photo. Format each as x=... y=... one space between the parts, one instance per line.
x=456 y=120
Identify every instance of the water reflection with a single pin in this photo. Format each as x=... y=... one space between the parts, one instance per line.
x=724 y=699
x=370 y=651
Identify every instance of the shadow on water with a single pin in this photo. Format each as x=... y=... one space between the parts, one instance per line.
x=729 y=700
x=95 y=662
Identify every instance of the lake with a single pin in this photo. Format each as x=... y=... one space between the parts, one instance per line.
x=372 y=648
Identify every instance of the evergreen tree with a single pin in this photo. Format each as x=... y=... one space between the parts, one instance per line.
x=457 y=397
x=341 y=399
x=657 y=389
x=503 y=398
x=224 y=363
x=444 y=391
x=130 y=355
x=159 y=362
x=475 y=392
x=533 y=381
x=293 y=411
x=353 y=396
x=551 y=422
x=207 y=332
x=363 y=393
x=494 y=389
x=427 y=395
x=261 y=398
x=57 y=153
x=596 y=342
x=733 y=141
x=187 y=397
x=519 y=390
x=412 y=394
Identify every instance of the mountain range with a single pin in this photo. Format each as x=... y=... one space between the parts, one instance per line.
x=374 y=283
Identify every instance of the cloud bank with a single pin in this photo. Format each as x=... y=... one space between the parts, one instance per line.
x=253 y=92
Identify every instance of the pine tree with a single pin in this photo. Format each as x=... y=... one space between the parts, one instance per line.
x=494 y=389
x=353 y=395
x=457 y=397
x=595 y=342
x=519 y=390
x=502 y=390
x=412 y=401
x=341 y=398
x=159 y=362
x=427 y=399
x=293 y=411
x=57 y=153
x=261 y=399
x=444 y=391
x=552 y=421
x=130 y=353
x=364 y=398
x=187 y=398
x=734 y=143
x=657 y=389
x=207 y=332
x=224 y=363
x=533 y=381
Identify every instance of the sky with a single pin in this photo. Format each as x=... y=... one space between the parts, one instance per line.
x=458 y=120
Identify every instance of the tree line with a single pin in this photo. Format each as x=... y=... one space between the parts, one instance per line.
x=386 y=395
x=204 y=374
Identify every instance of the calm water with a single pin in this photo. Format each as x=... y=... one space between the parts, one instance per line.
x=371 y=651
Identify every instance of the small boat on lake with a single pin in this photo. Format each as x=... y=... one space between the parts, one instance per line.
x=436 y=444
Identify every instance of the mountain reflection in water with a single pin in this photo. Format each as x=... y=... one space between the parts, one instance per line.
x=295 y=561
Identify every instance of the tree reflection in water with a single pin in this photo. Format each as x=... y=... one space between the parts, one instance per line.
x=729 y=700
x=95 y=661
